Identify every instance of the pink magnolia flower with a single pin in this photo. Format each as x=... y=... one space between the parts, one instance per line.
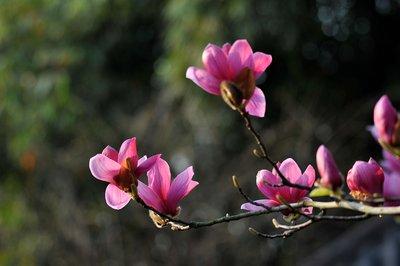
x=385 y=120
x=329 y=172
x=225 y=65
x=266 y=180
x=162 y=194
x=365 y=179
x=120 y=169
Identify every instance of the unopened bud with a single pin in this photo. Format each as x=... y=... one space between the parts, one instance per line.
x=235 y=182
x=258 y=153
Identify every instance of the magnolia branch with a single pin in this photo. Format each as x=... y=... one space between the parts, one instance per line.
x=366 y=211
x=264 y=154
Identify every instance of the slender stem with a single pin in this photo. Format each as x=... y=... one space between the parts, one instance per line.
x=260 y=143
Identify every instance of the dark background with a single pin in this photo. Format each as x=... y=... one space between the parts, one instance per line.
x=78 y=75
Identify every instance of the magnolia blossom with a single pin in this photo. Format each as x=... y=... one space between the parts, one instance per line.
x=365 y=179
x=329 y=172
x=120 y=169
x=162 y=194
x=226 y=64
x=386 y=121
x=276 y=196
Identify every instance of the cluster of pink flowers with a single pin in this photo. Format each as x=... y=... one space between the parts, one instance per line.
x=123 y=169
x=231 y=71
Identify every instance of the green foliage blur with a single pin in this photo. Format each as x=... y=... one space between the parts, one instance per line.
x=77 y=75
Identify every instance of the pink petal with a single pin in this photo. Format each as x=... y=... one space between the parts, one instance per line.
x=264 y=181
x=240 y=56
x=278 y=164
x=181 y=187
x=261 y=62
x=391 y=163
x=141 y=160
x=145 y=165
x=103 y=168
x=204 y=80
x=226 y=47
x=128 y=150
x=253 y=208
x=391 y=187
x=256 y=104
x=111 y=153
x=116 y=198
x=150 y=197
x=295 y=193
x=216 y=62
x=159 y=178
x=290 y=170
x=310 y=173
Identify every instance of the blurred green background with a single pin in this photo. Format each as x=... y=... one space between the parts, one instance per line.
x=78 y=75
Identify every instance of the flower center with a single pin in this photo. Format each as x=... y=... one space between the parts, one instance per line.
x=126 y=177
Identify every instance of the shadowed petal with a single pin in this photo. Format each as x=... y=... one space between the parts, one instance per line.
x=264 y=181
x=391 y=187
x=295 y=193
x=128 y=150
x=391 y=162
x=159 y=178
x=226 y=47
x=103 y=168
x=253 y=208
x=256 y=105
x=261 y=62
x=216 y=62
x=181 y=187
x=203 y=79
x=116 y=198
x=310 y=173
x=150 y=197
x=145 y=164
x=111 y=153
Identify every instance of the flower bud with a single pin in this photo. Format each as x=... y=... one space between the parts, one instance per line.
x=386 y=121
x=365 y=179
x=329 y=172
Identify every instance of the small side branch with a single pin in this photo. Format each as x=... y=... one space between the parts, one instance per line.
x=264 y=154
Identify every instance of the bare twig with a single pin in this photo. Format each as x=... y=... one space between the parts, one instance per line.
x=245 y=196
